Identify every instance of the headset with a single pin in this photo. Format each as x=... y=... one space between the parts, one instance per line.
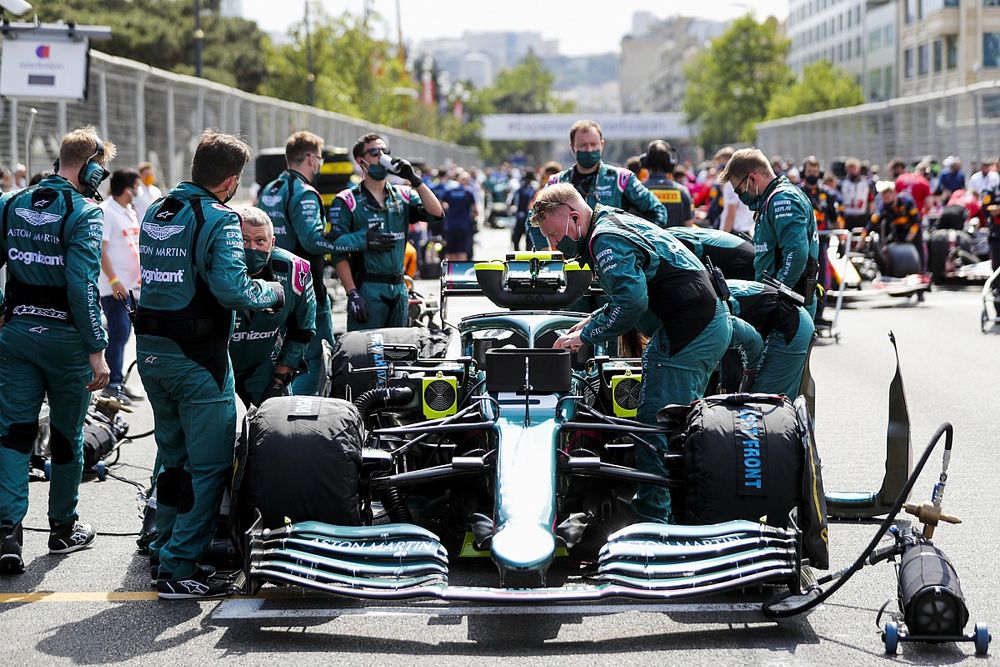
x=91 y=174
x=674 y=158
x=802 y=170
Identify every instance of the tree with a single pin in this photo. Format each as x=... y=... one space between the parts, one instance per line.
x=525 y=88
x=731 y=83
x=356 y=74
x=161 y=33
x=822 y=87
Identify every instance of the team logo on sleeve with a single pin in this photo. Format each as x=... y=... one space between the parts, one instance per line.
x=348 y=198
x=300 y=274
x=36 y=218
x=161 y=232
x=623 y=177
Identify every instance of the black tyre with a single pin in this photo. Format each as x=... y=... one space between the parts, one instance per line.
x=904 y=260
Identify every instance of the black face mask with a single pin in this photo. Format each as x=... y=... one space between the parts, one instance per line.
x=812 y=180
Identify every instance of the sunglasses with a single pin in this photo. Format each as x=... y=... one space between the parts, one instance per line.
x=375 y=152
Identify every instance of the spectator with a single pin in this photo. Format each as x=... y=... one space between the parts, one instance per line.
x=522 y=202
x=986 y=178
x=915 y=184
x=460 y=213
x=119 y=275
x=736 y=216
x=951 y=179
x=20 y=177
x=147 y=192
x=6 y=181
x=857 y=195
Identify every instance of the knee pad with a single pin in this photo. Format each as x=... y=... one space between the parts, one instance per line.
x=21 y=437
x=173 y=488
x=60 y=448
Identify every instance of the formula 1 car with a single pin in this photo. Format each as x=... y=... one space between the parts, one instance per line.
x=874 y=271
x=524 y=455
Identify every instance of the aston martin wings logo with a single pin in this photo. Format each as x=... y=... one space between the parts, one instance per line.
x=270 y=200
x=161 y=232
x=37 y=218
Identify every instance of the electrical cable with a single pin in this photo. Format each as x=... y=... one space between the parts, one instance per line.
x=768 y=609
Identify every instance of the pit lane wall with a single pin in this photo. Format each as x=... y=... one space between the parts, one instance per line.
x=960 y=121
x=154 y=115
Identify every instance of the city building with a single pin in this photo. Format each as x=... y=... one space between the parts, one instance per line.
x=947 y=43
x=857 y=36
x=653 y=56
x=479 y=56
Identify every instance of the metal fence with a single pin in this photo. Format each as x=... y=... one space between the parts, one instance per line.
x=962 y=121
x=153 y=115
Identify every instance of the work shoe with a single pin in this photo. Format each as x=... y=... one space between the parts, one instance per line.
x=69 y=537
x=205 y=571
x=196 y=587
x=116 y=393
x=10 y=549
x=133 y=395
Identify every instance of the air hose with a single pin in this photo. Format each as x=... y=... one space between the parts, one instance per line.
x=394 y=505
x=380 y=398
x=769 y=609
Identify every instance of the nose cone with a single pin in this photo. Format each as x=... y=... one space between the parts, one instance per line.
x=523 y=548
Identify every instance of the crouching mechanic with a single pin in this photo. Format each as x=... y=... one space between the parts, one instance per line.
x=651 y=281
x=370 y=221
x=268 y=348
x=731 y=254
x=786 y=243
x=296 y=210
x=53 y=342
x=777 y=342
x=194 y=275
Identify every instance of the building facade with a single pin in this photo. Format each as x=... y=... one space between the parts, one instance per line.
x=857 y=36
x=652 y=60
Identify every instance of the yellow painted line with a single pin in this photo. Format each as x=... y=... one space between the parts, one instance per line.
x=77 y=596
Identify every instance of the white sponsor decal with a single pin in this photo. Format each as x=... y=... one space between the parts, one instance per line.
x=270 y=200
x=157 y=276
x=161 y=232
x=38 y=330
x=37 y=218
x=42 y=312
x=241 y=336
x=29 y=258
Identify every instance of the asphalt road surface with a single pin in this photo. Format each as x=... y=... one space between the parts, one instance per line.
x=96 y=607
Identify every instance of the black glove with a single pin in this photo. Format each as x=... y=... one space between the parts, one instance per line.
x=378 y=240
x=280 y=292
x=278 y=387
x=356 y=306
x=404 y=169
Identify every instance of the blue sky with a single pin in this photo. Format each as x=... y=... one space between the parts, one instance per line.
x=581 y=26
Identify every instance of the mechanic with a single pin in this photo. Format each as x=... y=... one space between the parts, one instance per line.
x=786 y=244
x=777 y=345
x=826 y=209
x=369 y=222
x=992 y=217
x=522 y=202
x=731 y=254
x=659 y=159
x=725 y=208
x=460 y=213
x=53 y=342
x=653 y=282
x=901 y=216
x=194 y=275
x=599 y=182
x=536 y=240
x=269 y=348
x=296 y=211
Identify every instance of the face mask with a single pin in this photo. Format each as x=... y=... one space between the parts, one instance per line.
x=256 y=260
x=812 y=180
x=588 y=159
x=567 y=246
x=748 y=200
x=377 y=172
